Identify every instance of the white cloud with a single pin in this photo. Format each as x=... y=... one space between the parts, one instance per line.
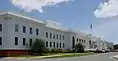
x=107 y=9
x=30 y=5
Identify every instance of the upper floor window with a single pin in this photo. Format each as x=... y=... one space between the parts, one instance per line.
x=50 y=35
x=30 y=42
x=77 y=39
x=16 y=27
x=0 y=40
x=46 y=43
x=63 y=37
x=30 y=30
x=84 y=41
x=80 y=40
x=0 y=27
x=57 y=36
x=37 y=31
x=60 y=37
x=24 y=41
x=16 y=40
x=47 y=34
x=24 y=29
x=54 y=36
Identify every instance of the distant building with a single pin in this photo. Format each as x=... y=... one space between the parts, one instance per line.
x=17 y=33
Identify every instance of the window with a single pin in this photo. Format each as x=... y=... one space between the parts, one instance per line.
x=80 y=40
x=54 y=36
x=30 y=30
x=30 y=42
x=37 y=31
x=60 y=45
x=63 y=37
x=57 y=36
x=84 y=41
x=51 y=35
x=50 y=44
x=77 y=39
x=16 y=40
x=60 y=37
x=24 y=40
x=0 y=27
x=24 y=29
x=46 y=43
x=47 y=34
x=0 y=40
x=63 y=45
x=57 y=45
x=54 y=44
x=16 y=27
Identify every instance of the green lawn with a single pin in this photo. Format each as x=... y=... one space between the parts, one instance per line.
x=57 y=55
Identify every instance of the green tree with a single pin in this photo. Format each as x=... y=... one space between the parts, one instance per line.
x=79 y=48
x=38 y=46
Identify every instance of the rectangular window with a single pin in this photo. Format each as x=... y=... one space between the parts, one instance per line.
x=47 y=34
x=63 y=45
x=79 y=40
x=57 y=36
x=24 y=41
x=63 y=37
x=54 y=44
x=37 y=31
x=30 y=42
x=57 y=45
x=0 y=27
x=30 y=30
x=16 y=40
x=0 y=40
x=51 y=35
x=16 y=27
x=50 y=44
x=24 y=29
x=46 y=43
x=60 y=45
x=60 y=37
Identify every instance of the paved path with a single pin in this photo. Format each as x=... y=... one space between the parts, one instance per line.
x=98 y=57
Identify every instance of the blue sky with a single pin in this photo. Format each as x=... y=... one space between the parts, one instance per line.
x=75 y=14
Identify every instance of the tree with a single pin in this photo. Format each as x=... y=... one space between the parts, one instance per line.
x=79 y=48
x=38 y=46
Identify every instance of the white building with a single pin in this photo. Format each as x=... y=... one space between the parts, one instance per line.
x=17 y=33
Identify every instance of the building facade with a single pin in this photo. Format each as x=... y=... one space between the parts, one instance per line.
x=18 y=32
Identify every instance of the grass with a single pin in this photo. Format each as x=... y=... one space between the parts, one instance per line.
x=57 y=55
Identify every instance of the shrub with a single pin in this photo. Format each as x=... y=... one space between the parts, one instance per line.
x=57 y=50
x=79 y=48
x=38 y=47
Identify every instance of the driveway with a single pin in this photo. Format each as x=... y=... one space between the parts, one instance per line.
x=98 y=57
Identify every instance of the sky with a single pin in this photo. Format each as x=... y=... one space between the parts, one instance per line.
x=75 y=14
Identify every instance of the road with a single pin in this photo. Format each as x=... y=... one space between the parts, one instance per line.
x=98 y=57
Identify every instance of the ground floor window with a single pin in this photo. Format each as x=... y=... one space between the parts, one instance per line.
x=24 y=41
x=46 y=43
x=16 y=40
x=0 y=40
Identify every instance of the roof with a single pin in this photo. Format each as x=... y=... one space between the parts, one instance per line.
x=50 y=24
x=2 y=13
